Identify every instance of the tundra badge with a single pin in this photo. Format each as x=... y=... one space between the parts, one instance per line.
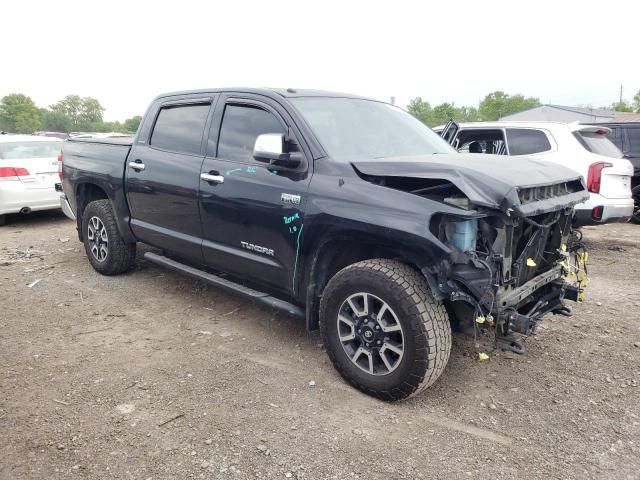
x=257 y=248
x=290 y=198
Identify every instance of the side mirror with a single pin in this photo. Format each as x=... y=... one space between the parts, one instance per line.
x=271 y=148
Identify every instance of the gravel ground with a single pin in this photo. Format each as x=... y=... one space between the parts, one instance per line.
x=153 y=375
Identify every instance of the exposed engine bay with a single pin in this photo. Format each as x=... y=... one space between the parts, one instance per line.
x=507 y=271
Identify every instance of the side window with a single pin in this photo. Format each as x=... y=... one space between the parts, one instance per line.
x=616 y=137
x=633 y=134
x=180 y=128
x=241 y=125
x=481 y=141
x=526 y=141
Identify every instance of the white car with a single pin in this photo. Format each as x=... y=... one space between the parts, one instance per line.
x=583 y=148
x=28 y=174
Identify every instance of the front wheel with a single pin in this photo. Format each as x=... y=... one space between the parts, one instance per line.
x=383 y=330
x=107 y=251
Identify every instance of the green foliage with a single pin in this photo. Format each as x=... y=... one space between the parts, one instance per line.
x=493 y=107
x=106 y=127
x=421 y=110
x=84 y=112
x=622 y=106
x=55 y=121
x=442 y=113
x=19 y=114
x=636 y=102
x=499 y=104
x=131 y=124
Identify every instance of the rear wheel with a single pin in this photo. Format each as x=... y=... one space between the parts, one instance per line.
x=108 y=253
x=635 y=193
x=383 y=330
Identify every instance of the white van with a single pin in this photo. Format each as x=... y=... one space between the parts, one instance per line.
x=583 y=148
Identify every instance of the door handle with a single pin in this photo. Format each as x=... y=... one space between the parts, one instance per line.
x=212 y=177
x=137 y=165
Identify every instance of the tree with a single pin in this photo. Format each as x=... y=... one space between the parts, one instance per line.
x=55 y=121
x=91 y=111
x=636 y=102
x=441 y=114
x=107 y=127
x=498 y=104
x=83 y=112
x=131 y=124
x=469 y=114
x=19 y=114
x=421 y=110
x=622 y=106
x=444 y=112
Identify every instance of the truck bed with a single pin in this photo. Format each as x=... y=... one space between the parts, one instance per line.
x=97 y=162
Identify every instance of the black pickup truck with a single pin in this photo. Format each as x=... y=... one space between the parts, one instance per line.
x=345 y=211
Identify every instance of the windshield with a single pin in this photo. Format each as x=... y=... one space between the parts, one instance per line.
x=355 y=129
x=27 y=150
x=599 y=144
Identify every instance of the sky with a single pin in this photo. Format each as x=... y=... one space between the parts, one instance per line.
x=124 y=53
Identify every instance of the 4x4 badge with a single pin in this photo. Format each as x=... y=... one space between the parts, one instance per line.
x=290 y=198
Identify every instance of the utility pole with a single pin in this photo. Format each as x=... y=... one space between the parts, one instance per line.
x=620 y=95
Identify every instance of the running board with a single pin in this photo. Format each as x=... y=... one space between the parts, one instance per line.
x=225 y=284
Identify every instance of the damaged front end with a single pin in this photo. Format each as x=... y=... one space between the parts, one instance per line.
x=508 y=269
x=509 y=255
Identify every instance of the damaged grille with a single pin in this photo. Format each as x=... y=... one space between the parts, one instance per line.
x=544 y=192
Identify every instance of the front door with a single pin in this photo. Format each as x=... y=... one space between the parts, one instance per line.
x=252 y=214
x=163 y=178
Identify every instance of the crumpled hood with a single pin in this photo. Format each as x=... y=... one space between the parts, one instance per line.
x=487 y=180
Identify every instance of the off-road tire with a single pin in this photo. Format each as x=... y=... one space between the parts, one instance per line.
x=121 y=255
x=3 y=220
x=424 y=321
x=635 y=193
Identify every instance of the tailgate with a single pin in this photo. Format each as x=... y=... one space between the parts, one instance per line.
x=616 y=180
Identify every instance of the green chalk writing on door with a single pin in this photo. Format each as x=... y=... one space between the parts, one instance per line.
x=288 y=220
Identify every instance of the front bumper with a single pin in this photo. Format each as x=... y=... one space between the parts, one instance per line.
x=512 y=298
x=66 y=208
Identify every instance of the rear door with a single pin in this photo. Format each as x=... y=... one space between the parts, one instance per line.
x=449 y=131
x=253 y=214
x=162 y=176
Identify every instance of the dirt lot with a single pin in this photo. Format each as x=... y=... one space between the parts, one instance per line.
x=152 y=375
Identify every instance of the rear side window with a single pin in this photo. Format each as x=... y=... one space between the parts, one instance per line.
x=526 y=141
x=616 y=137
x=179 y=129
x=598 y=143
x=29 y=150
x=241 y=125
x=633 y=134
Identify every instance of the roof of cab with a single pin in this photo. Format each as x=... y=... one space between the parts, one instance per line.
x=269 y=92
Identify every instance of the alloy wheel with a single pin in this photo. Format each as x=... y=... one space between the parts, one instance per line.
x=370 y=334
x=98 y=239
